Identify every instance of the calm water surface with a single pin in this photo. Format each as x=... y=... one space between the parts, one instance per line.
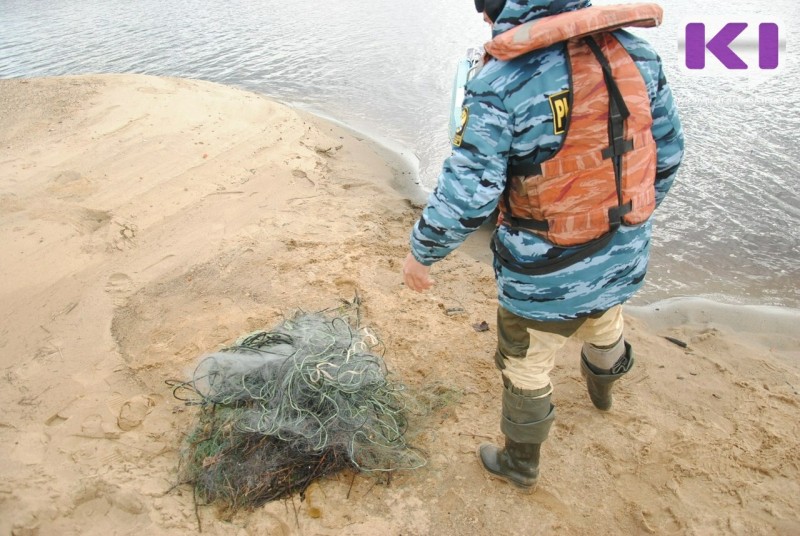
x=729 y=230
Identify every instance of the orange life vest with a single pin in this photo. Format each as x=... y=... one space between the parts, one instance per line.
x=603 y=176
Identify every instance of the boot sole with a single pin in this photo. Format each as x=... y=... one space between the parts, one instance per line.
x=497 y=476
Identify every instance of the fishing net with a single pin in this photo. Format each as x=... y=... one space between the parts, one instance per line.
x=286 y=406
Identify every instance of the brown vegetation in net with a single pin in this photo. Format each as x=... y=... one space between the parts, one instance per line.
x=238 y=470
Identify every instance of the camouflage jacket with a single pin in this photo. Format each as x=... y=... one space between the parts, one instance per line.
x=510 y=118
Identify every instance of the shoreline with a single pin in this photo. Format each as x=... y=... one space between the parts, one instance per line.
x=406 y=165
x=671 y=312
x=148 y=221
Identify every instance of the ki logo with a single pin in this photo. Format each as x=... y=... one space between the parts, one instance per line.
x=736 y=46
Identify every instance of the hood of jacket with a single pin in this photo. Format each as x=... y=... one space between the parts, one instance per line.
x=518 y=12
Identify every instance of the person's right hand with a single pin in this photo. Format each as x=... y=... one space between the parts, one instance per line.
x=416 y=275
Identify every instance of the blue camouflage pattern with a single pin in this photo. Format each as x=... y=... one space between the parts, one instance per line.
x=510 y=120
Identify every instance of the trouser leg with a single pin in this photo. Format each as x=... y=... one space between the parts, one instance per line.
x=525 y=354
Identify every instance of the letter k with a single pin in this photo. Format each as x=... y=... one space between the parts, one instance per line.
x=719 y=45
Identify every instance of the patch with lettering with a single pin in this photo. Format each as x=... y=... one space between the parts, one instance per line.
x=459 y=135
x=559 y=103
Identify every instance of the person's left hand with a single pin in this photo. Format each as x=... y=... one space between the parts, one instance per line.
x=416 y=275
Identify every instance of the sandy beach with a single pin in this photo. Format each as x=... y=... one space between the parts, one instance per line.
x=146 y=221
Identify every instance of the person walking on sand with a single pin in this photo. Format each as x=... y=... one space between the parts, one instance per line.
x=570 y=131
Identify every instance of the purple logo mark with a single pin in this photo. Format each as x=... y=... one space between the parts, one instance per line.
x=719 y=45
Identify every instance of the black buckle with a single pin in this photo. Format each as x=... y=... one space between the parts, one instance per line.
x=615 y=214
x=619 y=148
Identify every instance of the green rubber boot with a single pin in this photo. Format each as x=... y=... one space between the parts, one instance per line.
x=600 y=382
x=517 y=463
x=526 y=423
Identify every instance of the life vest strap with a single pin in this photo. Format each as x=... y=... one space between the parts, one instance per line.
x=613 y=89
x=617 y=114
x=615 y=215
x=618 y=110
x=529 y=224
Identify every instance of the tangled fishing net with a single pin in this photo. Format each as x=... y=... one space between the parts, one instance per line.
x=284 y=407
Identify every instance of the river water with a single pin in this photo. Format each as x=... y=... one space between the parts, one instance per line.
x=728 y=231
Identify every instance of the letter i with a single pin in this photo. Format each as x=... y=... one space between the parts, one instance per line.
x=768 y=45
x=695 y=45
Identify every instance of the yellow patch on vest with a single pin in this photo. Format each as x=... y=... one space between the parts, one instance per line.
x=459 y=135
x=559 y=103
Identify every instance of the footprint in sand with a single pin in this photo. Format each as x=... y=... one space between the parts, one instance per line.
x=85 y=220
x=71 y=184
x=99 y=495
x=10 y=203
x=134 y=411
x=120 y=286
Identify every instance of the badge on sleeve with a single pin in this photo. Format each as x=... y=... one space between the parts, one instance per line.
x=559 y=104
x=459 y=135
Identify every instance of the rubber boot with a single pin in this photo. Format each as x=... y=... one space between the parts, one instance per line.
x=517 y=463
x=600 y=382
x=526 y=423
